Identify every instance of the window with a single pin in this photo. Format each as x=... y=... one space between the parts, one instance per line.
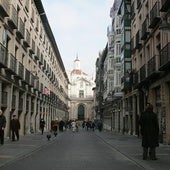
x=81 y=94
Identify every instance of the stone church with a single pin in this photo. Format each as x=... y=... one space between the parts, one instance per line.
x=81 y=104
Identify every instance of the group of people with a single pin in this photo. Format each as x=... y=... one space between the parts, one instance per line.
x=14 y=127
x=92 y=125
x=149 y=129
x=88 y=125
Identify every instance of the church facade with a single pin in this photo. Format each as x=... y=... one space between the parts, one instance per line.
x=80 y=92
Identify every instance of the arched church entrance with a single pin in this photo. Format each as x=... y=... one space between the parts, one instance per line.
x=81 y=112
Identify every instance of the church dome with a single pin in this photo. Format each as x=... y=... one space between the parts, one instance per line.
x=78 y=72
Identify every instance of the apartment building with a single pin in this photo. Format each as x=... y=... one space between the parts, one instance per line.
x=108 y=75
x=33 y=80
x=150 y=61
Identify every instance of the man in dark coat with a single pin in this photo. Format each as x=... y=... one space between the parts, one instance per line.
x=61 y=125
x=42 y=125
x=2 y=126
x=150 y=132
x=15 y=126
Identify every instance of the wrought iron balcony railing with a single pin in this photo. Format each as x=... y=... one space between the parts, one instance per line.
x=165 y=58
x=12 y=63
x=135 y=78
x=3 y=56
x=154 y=15
x=13 y=19
x=21 y=29
x=20 y=70
x=27 y=76
x=26 y=41
x=145 y=30
x=138 y=39
x=4 y=8
x=143 y=73
x=152 y=66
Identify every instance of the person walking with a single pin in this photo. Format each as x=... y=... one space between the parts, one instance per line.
x=15 y=127
x=61 y=125
x=2 y=126
x=73 y=125
x=149 y=132
x=100 y=125
x=42 y=125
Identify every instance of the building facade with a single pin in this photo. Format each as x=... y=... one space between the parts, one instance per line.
x=81 y=104
x=150 y=60
x=145 y=60
x=108 y=68
x=33 y=81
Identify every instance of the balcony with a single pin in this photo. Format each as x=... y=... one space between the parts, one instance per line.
x=135 y=78
x=36 y=85
x=152 y=67
x=12 y=64
x=37 y=56
x=142 y=73
x=32 y=79
x=41 y=60
x=26 y=41
x=145 y=31
x=4 y=10
x=165 y=5
x=13 y=19
x=32 y=49
x=27 y=76
x=20 y=70
x=3 y=56
x=165 y=58
x=154 y=15
x=132 y=45
x=138 y=40
x=21 y=29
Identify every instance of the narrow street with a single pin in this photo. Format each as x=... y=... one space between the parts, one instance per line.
x=78 y=151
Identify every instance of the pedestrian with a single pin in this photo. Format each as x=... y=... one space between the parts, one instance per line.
x=42 y=125
x=100 y=125
x=2 y=126
x=149 y=132
x=61 y=125
x=73 y=125
x=15 y=127
x=83 y=124
x=93 y=125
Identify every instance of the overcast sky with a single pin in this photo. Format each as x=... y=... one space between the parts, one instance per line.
x=80 y=28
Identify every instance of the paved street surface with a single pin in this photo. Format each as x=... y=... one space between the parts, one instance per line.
x=83 y=150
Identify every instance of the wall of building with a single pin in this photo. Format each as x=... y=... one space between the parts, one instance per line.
x=33 y=82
